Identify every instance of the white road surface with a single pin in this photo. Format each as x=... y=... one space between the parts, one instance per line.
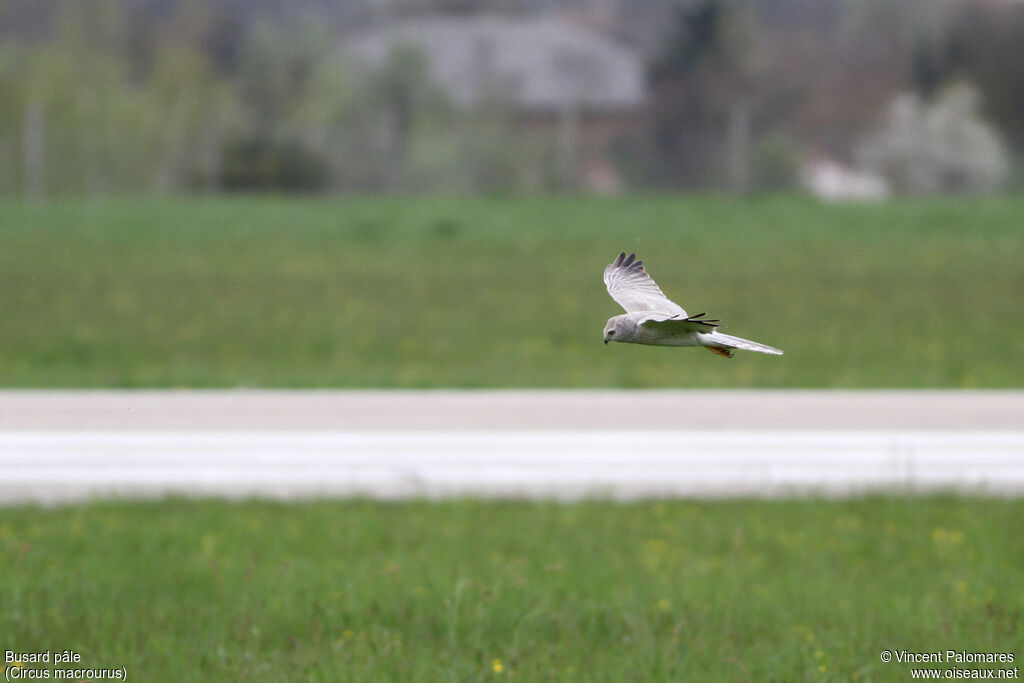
x=58 y=446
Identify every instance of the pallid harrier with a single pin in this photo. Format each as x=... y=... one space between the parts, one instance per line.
x=652 y=318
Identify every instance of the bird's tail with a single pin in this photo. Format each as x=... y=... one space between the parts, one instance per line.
x=723 y=344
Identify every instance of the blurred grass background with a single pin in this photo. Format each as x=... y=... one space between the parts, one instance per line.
x=501 y=292
x=470 y=590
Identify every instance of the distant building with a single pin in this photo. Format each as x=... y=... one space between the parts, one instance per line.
x=580 y=88
x=833 y=181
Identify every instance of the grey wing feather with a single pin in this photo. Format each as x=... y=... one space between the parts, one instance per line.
x=681 y=325
x=630 y=285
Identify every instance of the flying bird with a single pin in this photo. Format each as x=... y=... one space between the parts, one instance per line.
x=652 y=318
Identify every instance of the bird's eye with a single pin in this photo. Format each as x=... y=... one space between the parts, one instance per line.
x=611 y=333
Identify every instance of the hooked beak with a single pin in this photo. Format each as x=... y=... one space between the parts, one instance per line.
x=606 y=340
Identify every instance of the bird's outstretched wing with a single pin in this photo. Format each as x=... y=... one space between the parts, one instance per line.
x=679 y=326
x=634 y=290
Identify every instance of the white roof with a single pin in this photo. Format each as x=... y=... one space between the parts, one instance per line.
x=537 y=63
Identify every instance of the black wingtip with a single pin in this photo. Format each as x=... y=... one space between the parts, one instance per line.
x=629 y=260
x=619 y=259
x=699 y=318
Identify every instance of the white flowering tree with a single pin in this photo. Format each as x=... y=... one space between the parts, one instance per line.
x=939 y=146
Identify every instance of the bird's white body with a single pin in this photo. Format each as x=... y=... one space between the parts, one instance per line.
x=629 y=327
x=654 y=319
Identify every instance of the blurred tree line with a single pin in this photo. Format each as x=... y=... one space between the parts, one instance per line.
x=162 y=96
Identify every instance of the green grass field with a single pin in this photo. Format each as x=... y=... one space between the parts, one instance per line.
x=472 y=591
x=464 y=292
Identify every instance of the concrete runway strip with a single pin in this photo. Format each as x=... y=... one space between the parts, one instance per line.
x=57 y=445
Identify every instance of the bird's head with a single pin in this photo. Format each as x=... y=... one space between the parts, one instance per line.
x=612 y=329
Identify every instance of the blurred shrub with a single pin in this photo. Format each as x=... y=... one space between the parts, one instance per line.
x=1015 y=183
x=261 y=164
x=776 y=163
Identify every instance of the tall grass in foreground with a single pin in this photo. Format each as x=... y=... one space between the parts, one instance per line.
x=471 y=591
x=464 y=292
